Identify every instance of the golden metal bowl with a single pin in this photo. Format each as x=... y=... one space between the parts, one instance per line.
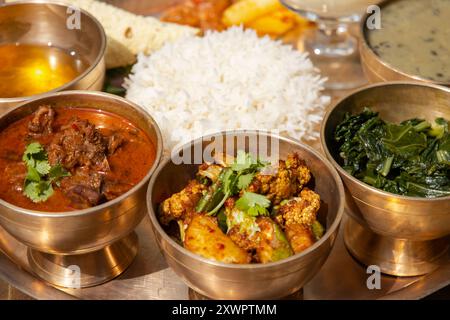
x=377 y=70
x=251 y=281
x=402 y=229
x=99 y=240
x=44 y=22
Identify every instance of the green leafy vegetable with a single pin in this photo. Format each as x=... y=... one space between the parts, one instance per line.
x=253 y=204
x=114 y=79
x=231 y=181
x=411 y=158
x=40 y=174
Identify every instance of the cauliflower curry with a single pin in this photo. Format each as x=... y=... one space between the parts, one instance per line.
x=245 y=210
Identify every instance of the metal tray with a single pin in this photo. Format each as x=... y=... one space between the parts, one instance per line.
x=148 y=277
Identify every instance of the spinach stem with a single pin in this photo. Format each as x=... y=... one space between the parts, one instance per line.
x=387 y=166
x=422 y=126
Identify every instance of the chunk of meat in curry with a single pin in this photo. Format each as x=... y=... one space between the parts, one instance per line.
x=97 y=158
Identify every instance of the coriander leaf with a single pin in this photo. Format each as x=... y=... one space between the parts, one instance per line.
x=33 y=175
x=34 y=152
x=245 y=180
x=43 y=167
x=228 y=179
x=250 y=199
x=232 y=179
x=257 y=210
x=243 y=161
x=34 y=148
x=38 y=191
x=40 y=174
x=56 y=172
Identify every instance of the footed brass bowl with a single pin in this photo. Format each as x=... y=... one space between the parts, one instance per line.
x=375 y=68
x=247 y=281
x=405 y=236
x=45 y=23
x=98 y=242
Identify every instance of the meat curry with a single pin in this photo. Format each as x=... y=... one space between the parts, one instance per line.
x=71 y=158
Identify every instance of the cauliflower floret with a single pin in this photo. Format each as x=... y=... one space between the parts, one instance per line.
x=180 y=204
x=299 y=169
x=290 y=178
x=301 y=210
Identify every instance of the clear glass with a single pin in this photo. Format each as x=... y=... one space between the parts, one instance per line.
x=332 y=49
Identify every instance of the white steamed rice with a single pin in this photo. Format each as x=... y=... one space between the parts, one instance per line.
x=228 y=80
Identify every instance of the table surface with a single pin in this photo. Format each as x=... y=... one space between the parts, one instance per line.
x=156 y=281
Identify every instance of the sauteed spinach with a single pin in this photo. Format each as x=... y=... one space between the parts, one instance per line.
x=411 y=158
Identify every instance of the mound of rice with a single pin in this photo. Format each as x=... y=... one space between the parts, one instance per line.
x=228 y=80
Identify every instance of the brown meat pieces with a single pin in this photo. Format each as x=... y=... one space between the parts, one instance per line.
x=82 y=149
x=42 y=121
x=83 y=187
x=79 y=144
x=302 y=210
x=290 y=178
x=111 y=189
x=180 y=204
x=114 y=142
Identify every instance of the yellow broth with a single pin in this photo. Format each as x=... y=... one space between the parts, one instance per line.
x=28 y=69
x=414 y=38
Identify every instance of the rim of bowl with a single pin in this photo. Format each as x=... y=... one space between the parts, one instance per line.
x=108 y=96
x=369 y=50
x=91 y=66
x=328 y=233
x=349 y=176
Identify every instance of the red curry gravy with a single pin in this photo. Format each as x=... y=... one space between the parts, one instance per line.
x=129 y=163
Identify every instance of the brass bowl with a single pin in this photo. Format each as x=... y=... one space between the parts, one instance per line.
x=99 y=240
x=377 y=70
x=44 y=23
x=250 y=281
x=415 y=222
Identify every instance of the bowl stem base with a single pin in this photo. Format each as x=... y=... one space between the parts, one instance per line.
x=88 y=269
x=396 y=257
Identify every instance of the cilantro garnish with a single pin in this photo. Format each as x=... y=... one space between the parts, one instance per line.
x=40 y=175
x=232 y=180
x=253 y=204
